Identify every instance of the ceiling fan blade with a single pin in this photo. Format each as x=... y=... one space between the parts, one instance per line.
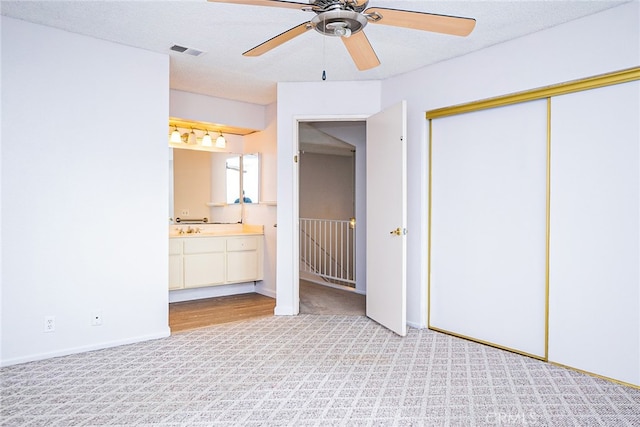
x=361 y=51
x=454 y=25
x=271 y=3
x=278 y=40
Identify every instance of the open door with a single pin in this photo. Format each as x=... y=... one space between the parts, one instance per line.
x=387 y=218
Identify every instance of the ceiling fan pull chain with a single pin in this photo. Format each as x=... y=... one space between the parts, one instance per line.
x=324 y=57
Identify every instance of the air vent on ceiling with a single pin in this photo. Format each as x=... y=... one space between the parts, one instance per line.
x=187 y=50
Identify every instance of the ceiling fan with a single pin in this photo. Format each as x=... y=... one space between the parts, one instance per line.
x=347 y=18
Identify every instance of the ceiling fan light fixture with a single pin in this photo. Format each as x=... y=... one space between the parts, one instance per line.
x=340 y=29
x=339 y=23
x=343 y=32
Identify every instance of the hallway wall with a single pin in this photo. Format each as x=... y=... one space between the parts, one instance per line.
x=326 y=186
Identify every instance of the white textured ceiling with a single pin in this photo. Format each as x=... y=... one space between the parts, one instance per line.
x=224 y=31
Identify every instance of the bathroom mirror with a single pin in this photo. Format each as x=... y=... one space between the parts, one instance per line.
x=209 y=185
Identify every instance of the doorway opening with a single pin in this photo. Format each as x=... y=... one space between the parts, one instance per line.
x=331 y=175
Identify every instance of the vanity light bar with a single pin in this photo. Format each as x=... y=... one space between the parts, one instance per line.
x=190 y=138
x=212 y=128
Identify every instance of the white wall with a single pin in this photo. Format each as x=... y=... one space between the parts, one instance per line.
x=326 y=186
x=596 y=44
x=359 y=100
x=204 y=108
x=265 y=143
x=84 y=192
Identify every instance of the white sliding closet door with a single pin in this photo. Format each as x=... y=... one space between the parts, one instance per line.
x=594 y=303
x=488 y=230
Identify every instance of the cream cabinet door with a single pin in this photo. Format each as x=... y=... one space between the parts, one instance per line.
x=204 y=269
x=244 y=259
x=242 y=266
x=175 y=264
x=175 y=272
x=204 y=261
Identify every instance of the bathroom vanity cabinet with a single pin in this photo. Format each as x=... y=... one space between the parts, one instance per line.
x=201 y=260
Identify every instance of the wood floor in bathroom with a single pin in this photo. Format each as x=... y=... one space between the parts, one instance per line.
x=211 y=311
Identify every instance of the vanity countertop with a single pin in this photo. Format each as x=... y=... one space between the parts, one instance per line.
x=213 y=230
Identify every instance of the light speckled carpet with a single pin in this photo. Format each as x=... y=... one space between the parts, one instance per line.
x=319 y=299
x=308 y=370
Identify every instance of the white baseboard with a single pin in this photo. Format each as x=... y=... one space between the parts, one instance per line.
x=265 y=291
x=283 y=311
x=210 y=292
x=415 y=325
x=82 y=349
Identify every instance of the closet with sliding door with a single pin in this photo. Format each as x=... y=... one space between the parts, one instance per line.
x=535 y=223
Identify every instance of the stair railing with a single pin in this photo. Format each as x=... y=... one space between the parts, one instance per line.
x=327 y=249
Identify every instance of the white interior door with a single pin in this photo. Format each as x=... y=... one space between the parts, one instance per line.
x=387 y=218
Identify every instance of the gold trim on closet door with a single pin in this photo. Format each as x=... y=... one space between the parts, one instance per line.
x=582 y=371
x=617 y=77
x=548 y=236
x=489 y=343
x=430 y=187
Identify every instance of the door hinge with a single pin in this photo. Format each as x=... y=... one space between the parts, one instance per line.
x=295 y=158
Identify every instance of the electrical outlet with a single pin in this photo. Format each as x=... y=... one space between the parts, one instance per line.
x=49 y=323
x=96 y=318
x=184 y=212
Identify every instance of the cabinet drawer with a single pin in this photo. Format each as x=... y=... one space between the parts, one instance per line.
x=242 y=244
x=199 y=245
x=175 y=247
